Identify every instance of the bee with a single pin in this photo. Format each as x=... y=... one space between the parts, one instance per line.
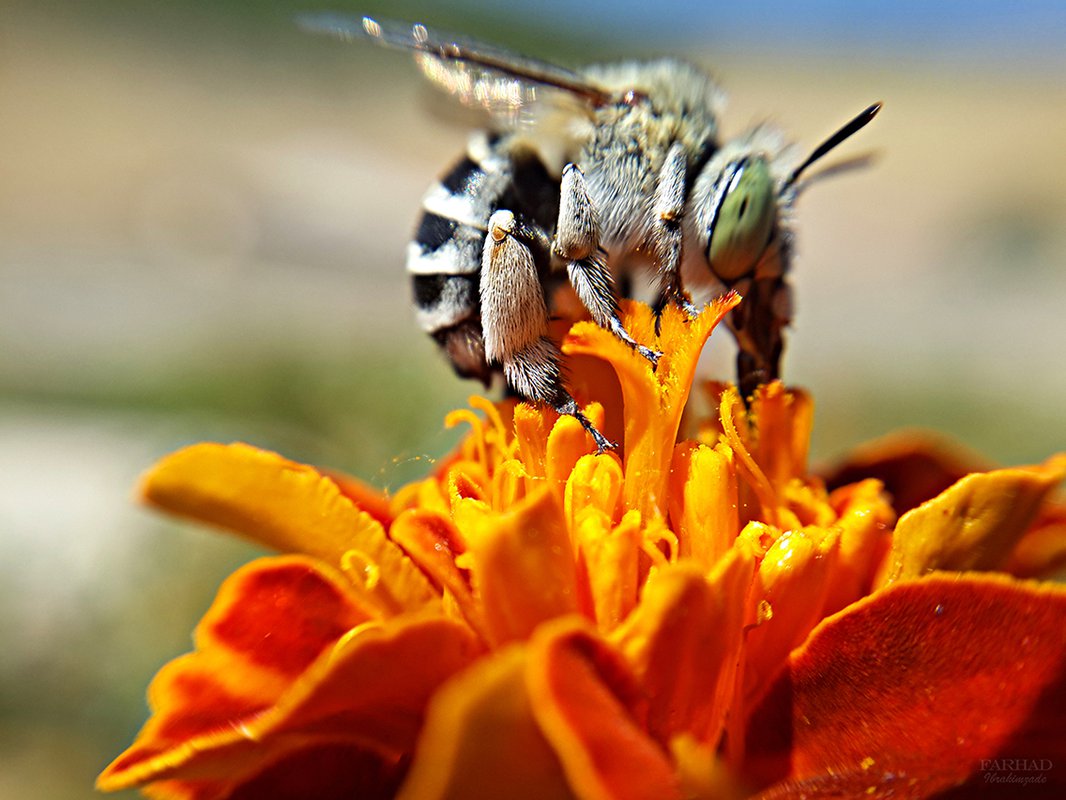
x=591 y=178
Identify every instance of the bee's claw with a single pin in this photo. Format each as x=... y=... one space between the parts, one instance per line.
x=688 y=307
x=653 y=356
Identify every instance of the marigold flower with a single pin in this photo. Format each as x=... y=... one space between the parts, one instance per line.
x=697 y=615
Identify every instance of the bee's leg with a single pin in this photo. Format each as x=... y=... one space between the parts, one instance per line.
x=669 y=205
x=514 y=318
x=534 y=373
x=577 y=241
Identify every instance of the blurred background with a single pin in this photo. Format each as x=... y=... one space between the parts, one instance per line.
x=203 y=214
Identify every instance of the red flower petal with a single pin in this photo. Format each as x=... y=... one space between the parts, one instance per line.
x=324 y=772
x=904 y=693
x=284 y=664
x=913 y=466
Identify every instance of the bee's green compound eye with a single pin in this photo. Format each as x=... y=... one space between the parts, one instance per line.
x=744 y=222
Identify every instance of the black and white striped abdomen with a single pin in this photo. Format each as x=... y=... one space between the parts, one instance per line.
x=444 y=259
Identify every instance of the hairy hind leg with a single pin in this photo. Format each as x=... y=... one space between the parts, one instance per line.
x=515 y=319
x=534 y=373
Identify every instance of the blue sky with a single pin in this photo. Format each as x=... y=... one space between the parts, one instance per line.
x=950 y=28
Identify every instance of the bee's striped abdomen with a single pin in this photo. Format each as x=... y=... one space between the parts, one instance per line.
x=444 y=258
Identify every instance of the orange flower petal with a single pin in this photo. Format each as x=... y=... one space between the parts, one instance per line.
x=610 y=558
x=325 y=772
x=864 y=519
x=792 y=582
x=704 y=501
x=374 y=685
x=683 y=641
x=655 y=400
x=286 y=506
x=974 y=524
x=785 y=419
x=433 y=543
x=905 y=692
x=1041 y=553
x=480 y=739
x=365 y=497
x=595 y=482
x=522 y=563
x=335 y=771
x=567 y=444
x=583 y=698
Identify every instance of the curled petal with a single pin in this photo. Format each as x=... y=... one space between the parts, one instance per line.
x=324 y=772
x=434 y=544
x=785 y=419
x=363 y=495
x=1041 y=553
x=567 y=444
x=974 y=524
x=286 y=506
x=595 y=482
x=864 y=519
x=906 y=692
x=585 y=702
x=655 y=400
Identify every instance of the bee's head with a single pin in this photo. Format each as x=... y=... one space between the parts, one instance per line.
x=739 y=215
x=741 y=197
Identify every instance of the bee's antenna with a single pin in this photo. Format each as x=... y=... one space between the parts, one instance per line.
x=855 y=125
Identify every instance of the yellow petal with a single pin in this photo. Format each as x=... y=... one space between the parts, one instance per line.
x=286 y=506
x=480 y=739
x=974 y=524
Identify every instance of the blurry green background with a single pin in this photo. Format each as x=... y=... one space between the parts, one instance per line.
x=203 y=214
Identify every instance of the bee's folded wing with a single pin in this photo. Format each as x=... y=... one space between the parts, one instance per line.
x=511 y=87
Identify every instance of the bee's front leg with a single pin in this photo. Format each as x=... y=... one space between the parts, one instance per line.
x=577 y=241
x=514 y=318
x=669 y=206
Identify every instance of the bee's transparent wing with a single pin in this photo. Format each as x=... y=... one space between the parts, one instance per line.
x=477 y=74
